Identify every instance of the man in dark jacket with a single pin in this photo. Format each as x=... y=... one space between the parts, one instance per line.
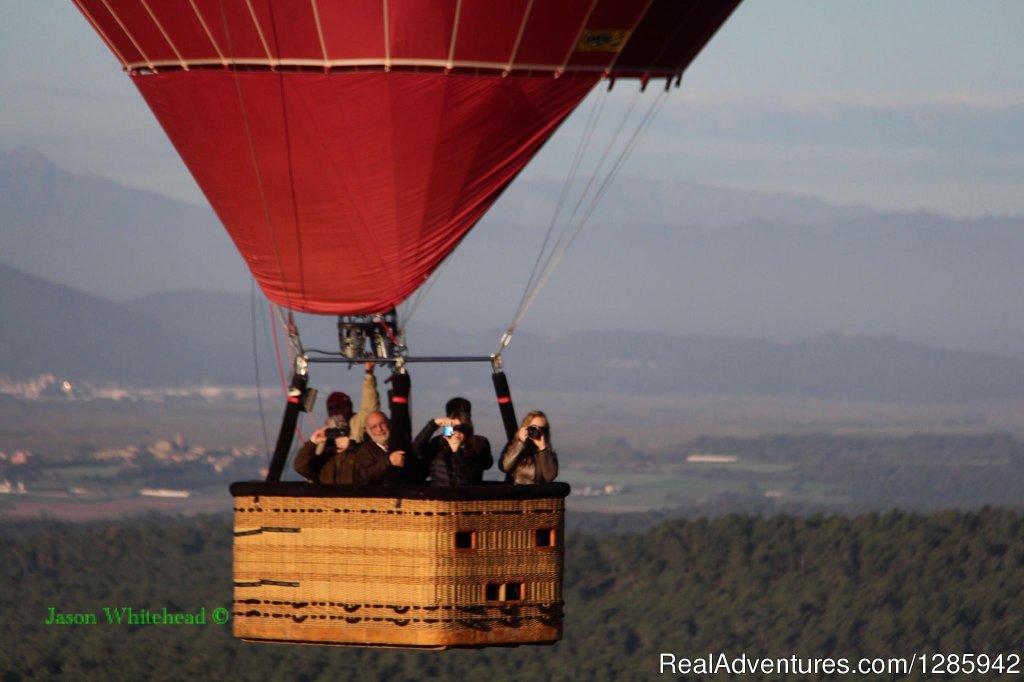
x=378 y=463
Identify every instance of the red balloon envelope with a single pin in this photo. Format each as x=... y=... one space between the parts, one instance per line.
x=349 y=145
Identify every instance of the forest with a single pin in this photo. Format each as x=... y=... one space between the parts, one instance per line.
x=876 y=585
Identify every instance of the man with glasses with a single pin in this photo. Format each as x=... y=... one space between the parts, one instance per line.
x=379 y=464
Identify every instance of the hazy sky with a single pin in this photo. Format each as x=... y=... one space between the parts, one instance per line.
x=909 y=104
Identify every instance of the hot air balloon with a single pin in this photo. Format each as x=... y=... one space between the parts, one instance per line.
x=348 y=146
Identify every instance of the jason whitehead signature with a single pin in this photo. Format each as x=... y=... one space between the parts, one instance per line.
x=127 y=615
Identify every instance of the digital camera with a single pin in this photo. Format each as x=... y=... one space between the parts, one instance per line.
x=534 y=431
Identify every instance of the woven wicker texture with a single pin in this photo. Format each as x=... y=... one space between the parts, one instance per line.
x=398 y=572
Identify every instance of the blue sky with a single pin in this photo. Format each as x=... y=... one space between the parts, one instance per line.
x=894 y=104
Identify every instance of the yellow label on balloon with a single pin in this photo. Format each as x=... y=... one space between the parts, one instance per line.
x=602 y=41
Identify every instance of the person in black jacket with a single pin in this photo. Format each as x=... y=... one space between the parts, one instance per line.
x=461 y=407
x=453 y=457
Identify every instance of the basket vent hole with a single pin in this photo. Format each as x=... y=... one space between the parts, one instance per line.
x=505 y=591
x=465 y=539
x=544 y=537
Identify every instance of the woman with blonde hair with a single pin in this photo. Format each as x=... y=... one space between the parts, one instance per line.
x=529 y=457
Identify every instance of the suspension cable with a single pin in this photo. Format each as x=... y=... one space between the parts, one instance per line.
x=423 y=293
x=584 y=142
x=582 y=211
x=256 y=369
x=255 y=162
x=413 y=304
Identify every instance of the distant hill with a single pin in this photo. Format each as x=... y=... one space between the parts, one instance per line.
x=632 y=199
x=52 y=328
x=107 y=239
x=668 y=257
x=827 y=367
x=202 y=336
x=920 y=277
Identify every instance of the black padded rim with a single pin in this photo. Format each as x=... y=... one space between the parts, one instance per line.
x=484 y=491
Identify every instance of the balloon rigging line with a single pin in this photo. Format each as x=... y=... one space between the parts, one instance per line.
x=599 y=194
x=255 y=162
x=421 y=295
x=277 y=357
x=554 y=255
x=561 y=245
x=288 y=154
x=285 y=329
x=652 y=112
x=256 y=368
x=583 y=145
x=571 y=229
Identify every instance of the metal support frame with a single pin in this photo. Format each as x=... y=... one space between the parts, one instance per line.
x=338 y=357
x=300 y=399
x=295 y=405
x=371 y=338
x=505 y=406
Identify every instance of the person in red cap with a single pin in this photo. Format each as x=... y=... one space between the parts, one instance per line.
x=334 y=460
x=339 y=404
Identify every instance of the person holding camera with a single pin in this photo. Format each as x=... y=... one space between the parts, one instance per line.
x=529 y=457
x=330 y=455
x=454 y=457
x=460 y=406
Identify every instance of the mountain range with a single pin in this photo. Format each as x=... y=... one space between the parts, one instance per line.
x=668 y=257
x=693 y=290
x=196 y=337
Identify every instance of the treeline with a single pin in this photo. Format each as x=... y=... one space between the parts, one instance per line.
x=879 y=585
x=857 y=474
x=914 y=449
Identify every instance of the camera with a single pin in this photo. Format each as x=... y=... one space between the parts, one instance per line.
x=447 y=431
x=336 y=432
x=534 y=431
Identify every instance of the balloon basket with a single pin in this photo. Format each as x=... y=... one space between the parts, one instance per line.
x=402 y=566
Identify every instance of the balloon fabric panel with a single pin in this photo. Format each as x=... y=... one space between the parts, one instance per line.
x=343 y=192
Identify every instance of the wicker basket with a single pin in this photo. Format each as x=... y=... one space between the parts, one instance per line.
x=399 y=566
